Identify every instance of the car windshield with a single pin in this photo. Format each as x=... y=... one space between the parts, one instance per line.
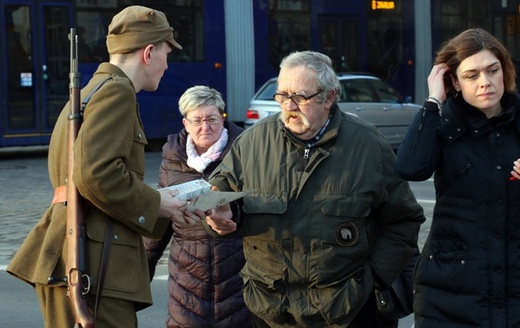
x=267 y=92
x=367 y=90
x=364 y=90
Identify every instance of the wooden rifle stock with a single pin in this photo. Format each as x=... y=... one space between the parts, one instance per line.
x=76 y=232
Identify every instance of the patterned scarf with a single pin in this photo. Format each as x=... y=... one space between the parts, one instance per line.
x=200 y=162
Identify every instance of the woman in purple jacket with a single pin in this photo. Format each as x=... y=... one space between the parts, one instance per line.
x=204 y=283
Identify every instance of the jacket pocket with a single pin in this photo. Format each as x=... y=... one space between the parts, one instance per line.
x=262 y=215
x=349 y=207
x=261 y=229
x=256 y=203
x=343 y=245
x=442 y=262
x=345 y=220
x=138 y=134
x=136 y=158
x=447 y=250
x=124 y=253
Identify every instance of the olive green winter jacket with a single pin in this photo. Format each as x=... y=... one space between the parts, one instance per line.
x=323 y=224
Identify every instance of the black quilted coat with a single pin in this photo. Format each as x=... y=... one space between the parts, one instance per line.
x=204 y=283
x=468 y=274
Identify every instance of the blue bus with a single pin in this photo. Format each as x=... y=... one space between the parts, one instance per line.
x=34 y=74
x=231 y=45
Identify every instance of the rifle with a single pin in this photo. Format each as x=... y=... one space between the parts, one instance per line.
x=78 y=281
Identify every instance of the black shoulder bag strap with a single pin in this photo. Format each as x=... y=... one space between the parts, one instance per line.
x=108 y=228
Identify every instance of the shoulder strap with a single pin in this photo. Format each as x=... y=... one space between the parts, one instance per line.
x=87 y=98
x=104 y=263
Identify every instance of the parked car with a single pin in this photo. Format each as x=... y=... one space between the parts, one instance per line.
x=363 y=95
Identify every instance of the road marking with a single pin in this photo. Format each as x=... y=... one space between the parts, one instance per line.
x=427 y=201
x=3 y=267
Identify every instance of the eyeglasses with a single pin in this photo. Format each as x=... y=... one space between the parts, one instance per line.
x=282 y=98
x=197 y=121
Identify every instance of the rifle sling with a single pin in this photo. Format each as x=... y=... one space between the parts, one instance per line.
x=87 y=98
x=108 y=228
x=104 y=261
x=60 y=193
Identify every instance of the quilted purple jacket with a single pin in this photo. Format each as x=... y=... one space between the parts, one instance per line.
x=205 y=288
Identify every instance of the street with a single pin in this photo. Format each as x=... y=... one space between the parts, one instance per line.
x=26 y=192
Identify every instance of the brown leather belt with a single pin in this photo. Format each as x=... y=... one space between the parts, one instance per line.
x=60 y=195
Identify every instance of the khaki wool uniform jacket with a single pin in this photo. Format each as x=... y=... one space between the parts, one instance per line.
x=323 y=223
x=108 y=172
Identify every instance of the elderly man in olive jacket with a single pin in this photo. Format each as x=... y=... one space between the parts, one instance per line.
x=326 y=220
x=108 y=172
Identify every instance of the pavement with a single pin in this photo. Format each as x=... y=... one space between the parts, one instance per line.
x=26 y=193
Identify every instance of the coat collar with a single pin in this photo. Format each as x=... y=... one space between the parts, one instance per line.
x=460 y=118
x=330 y=133
x=111 y=69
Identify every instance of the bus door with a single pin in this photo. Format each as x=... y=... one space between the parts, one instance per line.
x=35 y=67
x=339 y=39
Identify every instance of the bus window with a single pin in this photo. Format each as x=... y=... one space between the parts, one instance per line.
x=186 y=18
x=20 y=88
x=57 y=62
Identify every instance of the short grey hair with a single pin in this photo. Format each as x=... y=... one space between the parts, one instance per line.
x=200 y=95
x=321 y=64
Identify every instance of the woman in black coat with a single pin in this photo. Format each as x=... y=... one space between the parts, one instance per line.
x=204 y=283
x=468 y=135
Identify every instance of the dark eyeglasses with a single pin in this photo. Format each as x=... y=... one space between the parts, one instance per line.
x=282 y=98
x=212 y=120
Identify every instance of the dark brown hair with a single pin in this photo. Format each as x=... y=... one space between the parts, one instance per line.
x=469 y=43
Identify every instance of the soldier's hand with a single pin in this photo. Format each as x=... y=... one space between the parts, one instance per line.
x=169 y=206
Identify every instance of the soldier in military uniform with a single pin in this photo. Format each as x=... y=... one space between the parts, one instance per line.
x=108 y=172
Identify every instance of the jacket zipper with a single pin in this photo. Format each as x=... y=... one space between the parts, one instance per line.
x=306 y=153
